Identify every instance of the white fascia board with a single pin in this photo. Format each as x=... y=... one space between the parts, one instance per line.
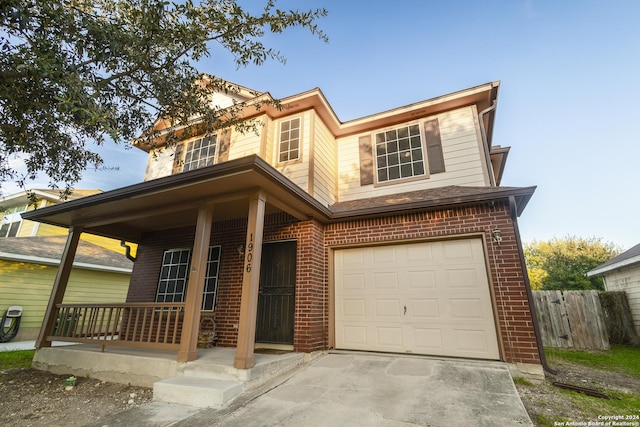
x=620 y=264
x=56 y=262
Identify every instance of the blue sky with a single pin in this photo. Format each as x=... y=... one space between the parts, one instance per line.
x=570 y=81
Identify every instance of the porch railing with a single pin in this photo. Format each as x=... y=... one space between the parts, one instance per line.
x=147 y=325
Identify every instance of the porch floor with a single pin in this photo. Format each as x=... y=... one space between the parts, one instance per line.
x=144 y=367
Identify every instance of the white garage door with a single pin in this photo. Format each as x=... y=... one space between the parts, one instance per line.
x=424 y=298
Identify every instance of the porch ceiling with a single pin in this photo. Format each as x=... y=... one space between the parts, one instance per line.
x=173 y=201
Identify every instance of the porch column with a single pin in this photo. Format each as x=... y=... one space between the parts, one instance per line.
x=59 y=286
x=195 y=286
x=250 y=283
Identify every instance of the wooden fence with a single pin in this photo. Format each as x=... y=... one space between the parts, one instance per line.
x=571 y=319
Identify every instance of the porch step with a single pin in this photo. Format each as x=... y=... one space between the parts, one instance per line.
x=198 y=392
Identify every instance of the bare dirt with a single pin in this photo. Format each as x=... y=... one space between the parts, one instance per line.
x=547 y=403
x=29 y=397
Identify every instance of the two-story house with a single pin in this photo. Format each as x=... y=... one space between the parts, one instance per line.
x=387 y=233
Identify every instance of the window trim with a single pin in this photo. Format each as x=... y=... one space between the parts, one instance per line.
x=185 y=150
x=217 y=280
x=425 y=175
x=161 y=279
x=186 y=278
x=279 y=141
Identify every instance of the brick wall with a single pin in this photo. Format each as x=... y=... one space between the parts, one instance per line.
x=310 y=300
x=507 y=273
x=312 y=275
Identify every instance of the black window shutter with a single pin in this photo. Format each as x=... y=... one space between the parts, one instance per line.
x=366 y=160
x=435 y=156
x=224 y=139
x=177 y=158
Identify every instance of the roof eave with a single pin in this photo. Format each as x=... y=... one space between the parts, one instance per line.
x=620 y=264
x=522 y=196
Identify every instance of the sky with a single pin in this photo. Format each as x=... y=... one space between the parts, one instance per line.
x=567 y=107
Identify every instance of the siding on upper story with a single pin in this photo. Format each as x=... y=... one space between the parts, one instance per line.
x=329 y=168
x=627 y=279
x=325 y=163
x=160 y=163
x=462 y=150
x=248 y=143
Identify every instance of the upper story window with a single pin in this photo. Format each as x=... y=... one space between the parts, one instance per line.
x=289 y=148
x=398 y=153
x=11 y=221
x=200 y=152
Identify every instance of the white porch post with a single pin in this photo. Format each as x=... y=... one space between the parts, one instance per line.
x=59 y=286
x=195 y=286
x=244 y=358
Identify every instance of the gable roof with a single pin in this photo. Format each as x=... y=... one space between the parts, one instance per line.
x=48 y=251
x=625 y=259
x=482 y=96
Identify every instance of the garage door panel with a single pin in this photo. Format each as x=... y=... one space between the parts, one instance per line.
x=386 y=280
x=423 y=309
x=387 y=308
x=466 y=309
x=350 y=258
x=420 y=253
x=426 y=340
x=472 y=343
x=387 y=336
x=352 y=282
x=457 y=250
x=462 y=278
x=354 y=336
x=421 y=280
x=355 y=309
x=425 y=298
x=385 y=255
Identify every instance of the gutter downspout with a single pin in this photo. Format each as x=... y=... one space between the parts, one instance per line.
x=127 y=251
x=527 y=285
x=483 y=133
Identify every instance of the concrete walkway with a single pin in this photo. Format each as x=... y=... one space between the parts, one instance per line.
x=361 y=390
x=27 y=345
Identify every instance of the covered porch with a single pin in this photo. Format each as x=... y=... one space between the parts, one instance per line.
x=246 y=188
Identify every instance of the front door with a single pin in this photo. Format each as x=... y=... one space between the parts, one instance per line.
x=276 y=299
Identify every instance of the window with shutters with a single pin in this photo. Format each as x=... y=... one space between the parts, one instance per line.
x=174 y=275
x=289 y=148
x=399 y=153
x=200 y=152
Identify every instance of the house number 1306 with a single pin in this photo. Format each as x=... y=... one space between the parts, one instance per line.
x=249 y=253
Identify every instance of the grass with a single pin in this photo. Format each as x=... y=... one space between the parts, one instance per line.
x=16 y=359
x=522 y=381
x=621 y=359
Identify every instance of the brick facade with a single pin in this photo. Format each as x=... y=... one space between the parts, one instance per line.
x=311 y=325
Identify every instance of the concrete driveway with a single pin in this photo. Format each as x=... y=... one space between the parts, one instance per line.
x=361 y=390
x=375 y=390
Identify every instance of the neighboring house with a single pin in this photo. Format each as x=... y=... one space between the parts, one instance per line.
x=387 y=233
x=28 y=268
x=622 y=273
x=13 y=205
x=12 y=224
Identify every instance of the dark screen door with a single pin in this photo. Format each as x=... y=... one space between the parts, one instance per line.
x=276 y=299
